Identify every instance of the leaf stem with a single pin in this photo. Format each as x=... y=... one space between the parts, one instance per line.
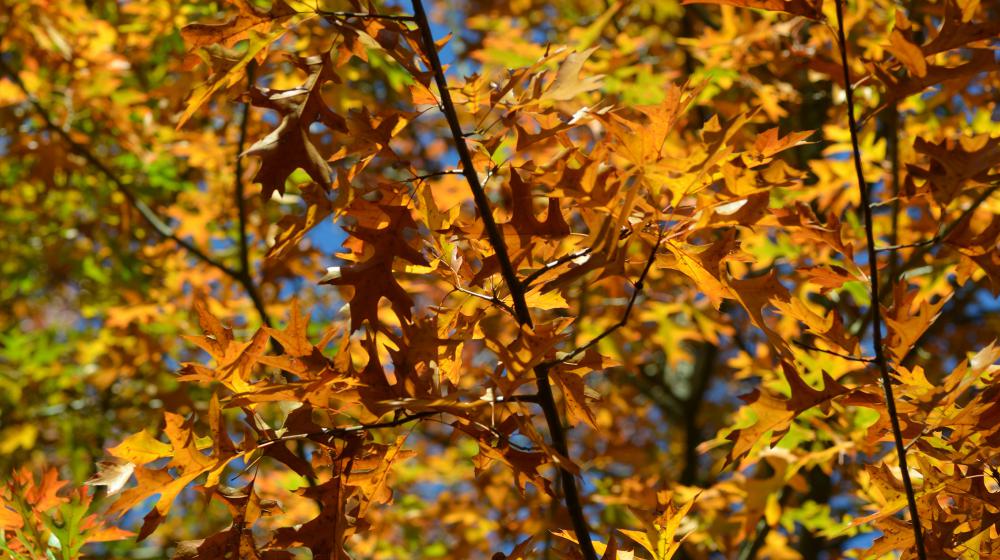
x=876 y=313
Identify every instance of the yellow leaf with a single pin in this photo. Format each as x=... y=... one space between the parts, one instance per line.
x=141 y=448
x=909 y=54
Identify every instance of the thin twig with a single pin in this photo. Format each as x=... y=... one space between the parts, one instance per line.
x=401 y=419
x=567 y=258
x=624 y=318
x=832 y=353
x=432 y=175
x=245 y=276
x=876 y=313
x=241 y=203
x=574 y=505
x=364 y=15
x=942 y=234
x=492 y=299
x=898 y=246
x=945 y=229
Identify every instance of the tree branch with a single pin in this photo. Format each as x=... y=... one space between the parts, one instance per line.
x=923 y=247
x=876 y=313
x=240 y=275
x=399 y=420
x=469 y=169
x=943 y=232
x=801 y=344
x=569 y=257
x=241 y=203
x=147 y=213
x=364 y=15
x=547 y=401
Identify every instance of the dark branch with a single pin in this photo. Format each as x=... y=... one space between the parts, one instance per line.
x=876 y=313
x=241 y=203
x=492 y=299
x=400 y=420
x=364 y=15
x=944 y=231
x=546 y=400
x=469 y=169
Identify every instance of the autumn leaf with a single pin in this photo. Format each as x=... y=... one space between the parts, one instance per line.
x=773 y=414
x=289 y=146
x=249 y=19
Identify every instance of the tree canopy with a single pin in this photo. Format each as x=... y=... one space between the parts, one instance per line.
x=610 y=279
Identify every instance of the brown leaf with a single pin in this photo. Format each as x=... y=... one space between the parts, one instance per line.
x=228 y=33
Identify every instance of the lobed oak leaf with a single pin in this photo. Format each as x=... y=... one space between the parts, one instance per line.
x=524 y=464
x=744 y=212
x=289 y=147
x=140 y=448
x=575 y=394
x=768 y=144
x=899 y=88
x=338 y=518
x=905 y=324
x=774 y=414
x=293 y=228
x=228 y=68
x=659 y=537
x=373 y=279
x=828 y=278
x=294 y=338
x=955 y=166
x=705 y=265
x=370 y=474
x=248 y=19
x=957 y=30
x=284 y=150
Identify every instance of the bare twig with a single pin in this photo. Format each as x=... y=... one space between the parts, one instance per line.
x=492 y=299
x=567 y=258
x=400 y=420
x=574 y=506
x=945 y=230
x=801 y=344
x=628 y=309
x=364 y=15
x=245 y=276
x=876 y=314
x=432 y=175
x=925 y=246
x=241 y=203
